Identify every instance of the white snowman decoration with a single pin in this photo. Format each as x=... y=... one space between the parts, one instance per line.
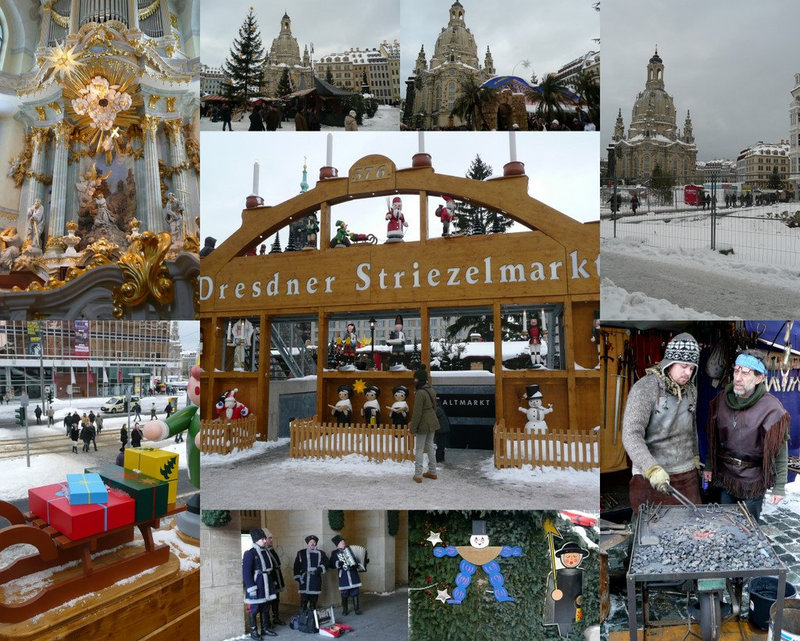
x=535 y=412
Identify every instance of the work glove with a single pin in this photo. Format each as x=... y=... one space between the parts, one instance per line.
x=658 y=478
x=697 y=464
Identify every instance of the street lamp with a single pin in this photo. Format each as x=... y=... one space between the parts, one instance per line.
x=372 y=338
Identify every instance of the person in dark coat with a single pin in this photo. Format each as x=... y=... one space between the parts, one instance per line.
x=300 y=123
x=276 y=576
x=137 y=410
x=136 y=435
x=121 y=457
x=273 y=118
x=309 y=567
x=349 y=581
x=74 y=434
x=93 y=435
x=256 y=124
x=91 y=417
x=259 y=590
x=86 y=435
x=424 y=424
x=208 y=247
x=38 y=412
x=168 y=409
x=225 y=113
x=123 y=436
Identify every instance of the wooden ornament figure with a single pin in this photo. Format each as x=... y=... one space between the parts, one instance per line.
x=564 y=584
x=229 y=408
x=372 y=409
x=309 y=231
x=343 y=410
x=399 y=409
x=478 y=552
x=240 y=334
x=349 y=345
x=397 y=339
x=535 y=412
x=446 y=213
x=395 y=228
x=596 y=335
x=342 y=237
x=535 y=337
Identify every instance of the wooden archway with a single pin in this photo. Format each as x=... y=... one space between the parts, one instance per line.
x=555 y=261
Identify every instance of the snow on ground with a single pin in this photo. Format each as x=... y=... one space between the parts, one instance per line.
x=619 y=304
x=467 y=480
x=704 y=283
x=385 y=119
x=51 y=468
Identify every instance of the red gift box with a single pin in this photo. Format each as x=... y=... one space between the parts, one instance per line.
x=77 y=521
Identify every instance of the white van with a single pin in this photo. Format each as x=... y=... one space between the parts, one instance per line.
x=116 y=404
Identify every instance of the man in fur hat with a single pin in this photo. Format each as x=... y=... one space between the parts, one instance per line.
x=276 y=576
x=257 y=565
x=748 y=430
x=659 y=429
x=309 y=566
x=349 y=581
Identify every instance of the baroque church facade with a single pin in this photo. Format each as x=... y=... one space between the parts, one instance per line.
x=98 y=123
x=284 y=55
x=653 y=137
x=437 y=84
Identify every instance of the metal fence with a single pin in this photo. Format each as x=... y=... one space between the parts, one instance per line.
x=767 y=234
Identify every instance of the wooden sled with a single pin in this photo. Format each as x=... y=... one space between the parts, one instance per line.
x=55 y=549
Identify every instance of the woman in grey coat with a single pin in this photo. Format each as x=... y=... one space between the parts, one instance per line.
x=424 y=424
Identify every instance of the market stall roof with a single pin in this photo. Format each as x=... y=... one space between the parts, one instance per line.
x=325 y=89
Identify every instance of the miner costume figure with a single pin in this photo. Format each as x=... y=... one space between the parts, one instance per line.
x=399 y=409
x=535 y=336
x=259 y=590
x=309 y=567
x=372 y=409
x=343 y=410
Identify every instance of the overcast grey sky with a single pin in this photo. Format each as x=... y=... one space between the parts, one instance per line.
x=731 y=62
x=548 y=34
x=331 y=26
x=562 y=167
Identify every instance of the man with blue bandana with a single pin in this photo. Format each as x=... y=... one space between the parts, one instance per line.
x=748 y=430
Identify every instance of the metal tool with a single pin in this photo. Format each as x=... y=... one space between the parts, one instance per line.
x=618 y=393
x=682 y=499
x=605 y=358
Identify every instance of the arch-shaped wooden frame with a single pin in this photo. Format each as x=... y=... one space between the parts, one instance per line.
x=555 y=261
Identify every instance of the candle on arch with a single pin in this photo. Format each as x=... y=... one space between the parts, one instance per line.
x=329 y=156
x=255 y=178
x=512 y=144
x=421 y=141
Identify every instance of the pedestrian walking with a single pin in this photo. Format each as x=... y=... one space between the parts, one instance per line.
x=123 y=436
x=137 y=410
x=86 y=434
x=99 y=421
x=93 y=435
x=51 y=416
x=153 y=412
x=91 y=417
x=38 y=412
x=424 y=424
x=168 y=409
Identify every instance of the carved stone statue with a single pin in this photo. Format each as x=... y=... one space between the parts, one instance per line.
x=35 y=216
x=10 y=244
x=173 y=214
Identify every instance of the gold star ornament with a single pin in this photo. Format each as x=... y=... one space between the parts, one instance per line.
x=434 y=538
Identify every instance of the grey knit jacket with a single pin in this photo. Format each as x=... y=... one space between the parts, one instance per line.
x=660 y=423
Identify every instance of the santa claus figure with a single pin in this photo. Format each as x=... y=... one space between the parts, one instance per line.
x=229 y=408
x=397 y=223
x=446 y=213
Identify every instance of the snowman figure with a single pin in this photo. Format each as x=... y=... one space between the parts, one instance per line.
x=535 y=411
x=478 y=552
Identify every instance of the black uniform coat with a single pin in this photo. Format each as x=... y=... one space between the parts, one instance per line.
x=256 y=569
x=309 y=566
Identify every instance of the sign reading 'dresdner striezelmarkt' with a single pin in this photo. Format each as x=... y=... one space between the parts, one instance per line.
x=307 y=282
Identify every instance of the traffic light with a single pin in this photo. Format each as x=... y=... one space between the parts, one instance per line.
x=19 y=413
x=50 y=397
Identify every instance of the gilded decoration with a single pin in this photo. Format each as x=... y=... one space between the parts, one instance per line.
x=170 y=104
x=146 y=275
x=41 y=112
x=152 y=101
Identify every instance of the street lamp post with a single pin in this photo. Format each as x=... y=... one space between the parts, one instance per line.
x=372 y=339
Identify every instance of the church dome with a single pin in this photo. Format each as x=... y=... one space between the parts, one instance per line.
x=455 y=43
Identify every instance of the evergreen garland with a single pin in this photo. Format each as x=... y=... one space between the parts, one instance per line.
x=480 y=615
x=216 y=518
x=336 y=519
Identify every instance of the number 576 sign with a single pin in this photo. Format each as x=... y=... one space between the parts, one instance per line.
x=372 y=168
